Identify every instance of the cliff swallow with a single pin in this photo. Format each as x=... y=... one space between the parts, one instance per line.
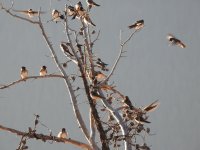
x=62 y=134
x=79 y=7
x=31 y=13
x=128 y=102
x=87 y=20
x=56 y=15
x=99 y=75
x=91 y=3
x=71 y=11
x=94 y=95
x=138 y=25
x=101 y=64
x=174 y=41
x=43 y=71
x=65 y=49
x=24 y=72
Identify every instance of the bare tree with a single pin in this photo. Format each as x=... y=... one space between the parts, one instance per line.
x=124 y=124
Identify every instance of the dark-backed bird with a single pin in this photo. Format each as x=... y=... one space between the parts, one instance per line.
x=137 y=25
x=101 y=64
x=43 y=71
x=87 y=20
x=56 y=15
x=31 y=13
x=65 y=49
x=174 y=41
x=91 y=3
x=24 y=72
x=71 y=11
x=94 y=95
x=128 y=102
x=62 y=134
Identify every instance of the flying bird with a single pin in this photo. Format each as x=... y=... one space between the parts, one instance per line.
x=56 y=15
x=62 y=134
x=174 y=41
x=43 y=71
x=24 y=72
x=65 y=49
x=91 y=3
x=151 y=107
x=137 y=25
x=31 y=13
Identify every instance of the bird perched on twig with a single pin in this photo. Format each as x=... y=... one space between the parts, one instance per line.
x=56 y=15
x=62 y=134
x=101 y=64
x=65 y=49
x=174 y=41
x=71 y=11
x=87 y=20
x=24 y=73
x=91 y=3
x=43 y=71
x=137 y=25
x=31 y=13
x=94 y=95
x=99 y=75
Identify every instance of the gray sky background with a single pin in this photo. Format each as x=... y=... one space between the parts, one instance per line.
x=152 y=70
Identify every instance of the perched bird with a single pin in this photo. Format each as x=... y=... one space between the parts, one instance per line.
x=101 y=64
x=99 y=75
x=71 y=11
x=128 y=102
x=43 y=71
x=106 y=87
x=94 y=95
x=24 y=72
x=174 y=41
x=87 y=20
x=138 y=25
x=140 y=119
x=31 y=13
x=79 y=7
x=56 y=15
x=65 y=49
x=62 y=134
x=91 y=3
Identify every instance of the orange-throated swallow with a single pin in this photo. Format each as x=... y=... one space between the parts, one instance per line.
x=94 y=95
x=91 y=3
x=56 y=15
x=66 y=50
x=99 y=75
x=174 y=41
x=79 y=7
x=138 y=25
x=24 y=72
x=128 y=102
x=62 y=134
x=43 y=71
x=31 y=13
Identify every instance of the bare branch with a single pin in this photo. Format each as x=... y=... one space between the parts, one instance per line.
x=118 y=58
x=44 y=138
x=32 y=77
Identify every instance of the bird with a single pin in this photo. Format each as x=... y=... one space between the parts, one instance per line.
x=174 y=41
x=99 y=75
x=91 y=3
x=79 y=6
x=87 y=20
x=151 y=107
x=137 y=25
x=24 y=72
x=101 y=64
x=140 y=119
x=31 y=13
x=62 y=134
x=94 y=95
x=65 y=49
x=43 y=71
x=128 y=102
x=56 y=15
x=71 y=11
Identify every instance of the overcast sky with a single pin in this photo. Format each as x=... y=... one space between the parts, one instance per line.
x=152 y=69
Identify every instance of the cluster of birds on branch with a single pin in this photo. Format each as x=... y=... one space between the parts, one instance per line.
x=24 y=72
